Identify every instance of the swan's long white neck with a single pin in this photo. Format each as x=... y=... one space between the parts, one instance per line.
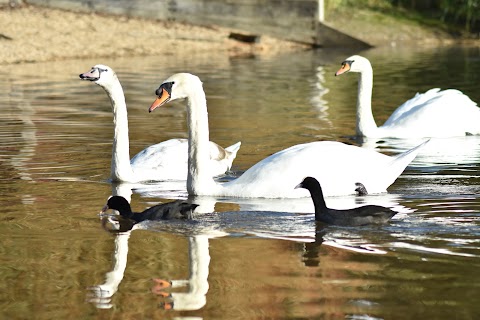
x=199 y=179
x=120 y=167
x=365 y=122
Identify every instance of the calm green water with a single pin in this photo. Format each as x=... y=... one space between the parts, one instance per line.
x=248 y=259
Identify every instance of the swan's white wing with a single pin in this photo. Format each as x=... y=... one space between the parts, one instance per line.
x=407 y=106
x=162 y=154
x=336 y=165
x=434 y=114
x=168 y=160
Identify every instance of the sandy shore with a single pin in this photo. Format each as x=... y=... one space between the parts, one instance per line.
x=34 y=34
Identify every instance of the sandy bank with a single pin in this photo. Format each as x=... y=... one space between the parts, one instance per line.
x=34 y=34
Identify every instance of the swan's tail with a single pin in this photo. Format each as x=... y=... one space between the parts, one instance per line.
x=231 y=154
x=401 y=161
x=234 y=148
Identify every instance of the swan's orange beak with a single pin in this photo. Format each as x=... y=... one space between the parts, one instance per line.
x=161 y=100
x=345 y=68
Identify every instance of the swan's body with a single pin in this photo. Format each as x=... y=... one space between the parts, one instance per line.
x=175 y=210
x=163 y=161
x=435 y=113
x=338 y=166
x=364 y=215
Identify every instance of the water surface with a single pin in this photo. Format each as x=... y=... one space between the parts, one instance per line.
x=247 y=258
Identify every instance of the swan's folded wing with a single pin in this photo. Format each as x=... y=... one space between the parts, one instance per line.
x=337 y=166
x=406 y=108
x=435 y=114
x=170 y=153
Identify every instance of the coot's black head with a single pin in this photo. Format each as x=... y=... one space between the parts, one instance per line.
x=118 y=203
x=308 y=183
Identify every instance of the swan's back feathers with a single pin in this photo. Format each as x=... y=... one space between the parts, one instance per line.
x=407 y=106
x=434 y=113
x=171 y=165
x=336 y=165
x=162 y=161
x=149 y=157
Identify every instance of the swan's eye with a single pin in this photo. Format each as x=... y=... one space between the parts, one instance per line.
x=167 y=86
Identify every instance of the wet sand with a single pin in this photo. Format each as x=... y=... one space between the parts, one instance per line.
x=35 y=34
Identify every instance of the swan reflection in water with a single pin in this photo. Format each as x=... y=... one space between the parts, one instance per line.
x=101 y=295
x=197 y=283
x=199 y=259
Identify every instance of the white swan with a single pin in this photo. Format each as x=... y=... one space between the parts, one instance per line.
x=163 y=161
x=338 y=166
x=435 y=113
